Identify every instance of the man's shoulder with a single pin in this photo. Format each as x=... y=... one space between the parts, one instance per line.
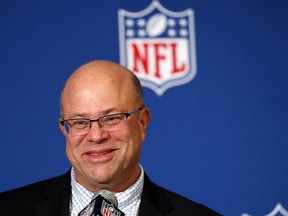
x=35 y=191
x=167 y=201
x=181 y=202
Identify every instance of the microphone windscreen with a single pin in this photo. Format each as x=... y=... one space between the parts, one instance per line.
x=108 y=196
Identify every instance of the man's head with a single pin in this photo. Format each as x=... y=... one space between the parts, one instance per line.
x=104 y=159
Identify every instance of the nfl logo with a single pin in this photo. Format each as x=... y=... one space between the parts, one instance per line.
x=158 y=45
x=108 y=209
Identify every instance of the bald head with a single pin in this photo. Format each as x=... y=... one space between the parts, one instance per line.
x=103 y=77
x=106 y=91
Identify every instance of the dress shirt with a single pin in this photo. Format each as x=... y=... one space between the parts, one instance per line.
x=128 y=200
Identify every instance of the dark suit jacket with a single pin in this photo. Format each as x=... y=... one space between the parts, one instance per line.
x=51 y=198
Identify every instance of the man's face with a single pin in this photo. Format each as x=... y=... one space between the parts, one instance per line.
x=101 y=159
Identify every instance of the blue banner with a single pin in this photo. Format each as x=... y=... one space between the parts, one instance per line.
x=214 y=75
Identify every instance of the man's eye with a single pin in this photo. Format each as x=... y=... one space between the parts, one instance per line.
x=79 y=123
x=114 y=119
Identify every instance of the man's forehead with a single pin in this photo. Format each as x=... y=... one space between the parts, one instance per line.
x=94 y=73
x=100 y=79
x=97 y=88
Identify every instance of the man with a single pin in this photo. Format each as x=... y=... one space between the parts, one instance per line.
x=104 y=120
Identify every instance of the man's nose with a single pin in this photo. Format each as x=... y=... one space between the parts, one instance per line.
x=96 y=133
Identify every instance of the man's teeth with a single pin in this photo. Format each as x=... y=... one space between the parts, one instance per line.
x=98 y=154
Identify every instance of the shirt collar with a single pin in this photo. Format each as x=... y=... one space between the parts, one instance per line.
x=130 y=196
x=126 y=199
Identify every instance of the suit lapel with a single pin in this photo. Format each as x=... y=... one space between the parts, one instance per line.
x=57 y=198
x=153 y=201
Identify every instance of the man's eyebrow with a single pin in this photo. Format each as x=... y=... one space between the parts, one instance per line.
x=110 y=110
x=102 y=113
x=81 y=115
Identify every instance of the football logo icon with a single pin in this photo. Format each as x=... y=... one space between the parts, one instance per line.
x=156 y=25
x=158 y=45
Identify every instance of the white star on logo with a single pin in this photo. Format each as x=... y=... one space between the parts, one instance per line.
x=183 y=22
x=130 y=33
x=171 y=22
x=171 y=32
x=141 y=22
x=141 y=32
x=183 y=32
x=129 y=22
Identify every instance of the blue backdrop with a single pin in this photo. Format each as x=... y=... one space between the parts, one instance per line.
x=220 y=139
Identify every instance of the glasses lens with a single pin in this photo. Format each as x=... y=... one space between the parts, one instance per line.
x=77 y=126
x=110 y=123
x=115 y=122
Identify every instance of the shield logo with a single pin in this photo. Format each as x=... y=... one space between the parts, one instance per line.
x=107 y=209
x=158 y=45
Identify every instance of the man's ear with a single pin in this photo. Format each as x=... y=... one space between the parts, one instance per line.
x=144 y=119
x=61 y=126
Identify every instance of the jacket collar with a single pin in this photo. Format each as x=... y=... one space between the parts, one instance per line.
x=153 y=201
x=57 y=197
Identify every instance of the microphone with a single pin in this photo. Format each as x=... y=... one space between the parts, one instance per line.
x=103 y=203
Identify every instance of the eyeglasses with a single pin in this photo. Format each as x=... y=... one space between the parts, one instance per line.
x=109 y=123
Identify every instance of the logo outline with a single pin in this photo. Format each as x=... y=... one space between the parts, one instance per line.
x=160 y=87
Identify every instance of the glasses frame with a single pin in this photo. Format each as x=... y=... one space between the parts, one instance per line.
x=126 y=114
